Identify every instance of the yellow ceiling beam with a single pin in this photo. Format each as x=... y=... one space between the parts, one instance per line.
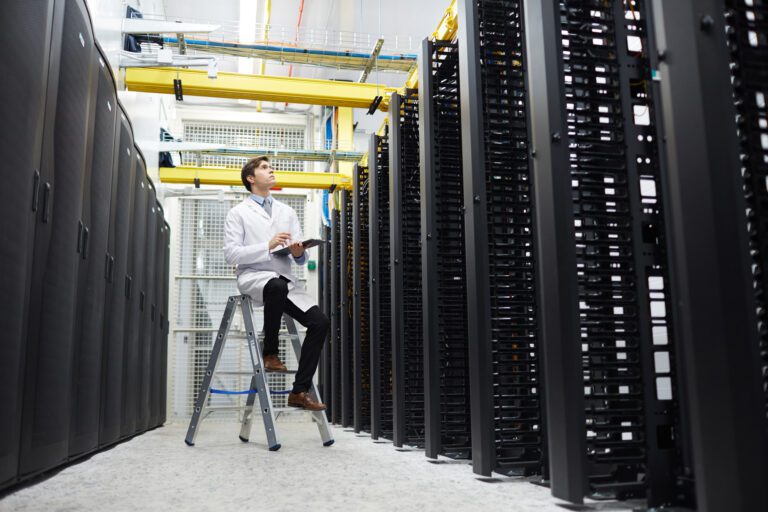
x=231 y=177
x=258 y=87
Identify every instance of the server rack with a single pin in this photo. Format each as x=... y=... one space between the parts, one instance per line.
x=118 y=290
x=156 y=378
x=325 y=296
x=405 y=261
x=361 y=300
x=604 y=114
x=502 y=318
x=380 y=300
x=747 y=26
x=146 y=308
x=347 y=286
x=708 y=247
x=26 y=27
x=94 y=266
x=444 y=296
x=133 y=282
x=62 y=364
x=335 y=413
x=59 y=241
x=165 y=325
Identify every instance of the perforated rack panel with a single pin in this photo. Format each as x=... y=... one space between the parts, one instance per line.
x=628 y=362
x=405 y=225
x=381 y=306
x=347 y=324
x=335 y=392
x=503 y=329
x=325 y=294
x=448 y=424
x=748 y=37
x=361 y=301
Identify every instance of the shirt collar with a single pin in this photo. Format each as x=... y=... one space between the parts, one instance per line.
x=260 y=200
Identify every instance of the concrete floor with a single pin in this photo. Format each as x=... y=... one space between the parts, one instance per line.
x=157 y=471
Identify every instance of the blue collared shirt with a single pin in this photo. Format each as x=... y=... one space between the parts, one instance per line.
x=260 y=201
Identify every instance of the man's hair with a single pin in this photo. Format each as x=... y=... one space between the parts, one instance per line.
x=251 y=166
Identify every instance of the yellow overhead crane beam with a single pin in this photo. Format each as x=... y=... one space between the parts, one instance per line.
x=231 y=177
x=258 y=87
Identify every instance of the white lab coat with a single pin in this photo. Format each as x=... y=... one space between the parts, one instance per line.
x=247 y=232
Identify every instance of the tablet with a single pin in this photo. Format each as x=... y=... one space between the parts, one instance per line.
x=285 y=251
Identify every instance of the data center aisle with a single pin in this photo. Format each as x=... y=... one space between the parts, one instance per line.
x=157 y=471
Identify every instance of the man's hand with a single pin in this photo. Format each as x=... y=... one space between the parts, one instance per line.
x=297 y=249
x=279 y=239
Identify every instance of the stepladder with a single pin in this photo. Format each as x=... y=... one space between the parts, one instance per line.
x=259 y=394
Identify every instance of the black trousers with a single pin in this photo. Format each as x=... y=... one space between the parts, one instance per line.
x=276 y=302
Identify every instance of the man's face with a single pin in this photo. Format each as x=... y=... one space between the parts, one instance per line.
x=263 y=175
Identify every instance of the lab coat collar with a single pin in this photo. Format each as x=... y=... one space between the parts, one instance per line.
x=259 y=210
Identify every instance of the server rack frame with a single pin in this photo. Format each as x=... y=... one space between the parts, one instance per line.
x=725 y=401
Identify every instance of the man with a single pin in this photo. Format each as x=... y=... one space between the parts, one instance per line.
x=252 y=230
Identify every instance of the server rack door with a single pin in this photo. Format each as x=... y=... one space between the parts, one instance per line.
x=134 y=280
x=117 y=291
x=86 y=390
x=345 y=317
x=361 y=311
x=165 y=324
x=156 y=313
x=46 y=414
x=146 y=306
x=27 y=27
x=334 y=413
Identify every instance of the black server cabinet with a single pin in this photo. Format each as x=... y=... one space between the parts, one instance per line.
x=361 y=301
x=59 y=242
x=146 y=309
x=596 y=145
x=165 y=324
x=27 y=28
x=345 y=319
x=324 y=386
x=748 y=25
x=119 y=285
x=444 y=293
x=380 y=299
x=708 y=151
x=503 y=327
x=334 y=396
x=405 y=261
x=95 y=264
x=158 y=318
x=133 y=281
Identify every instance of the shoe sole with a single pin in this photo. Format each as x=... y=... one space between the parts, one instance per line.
x=302 y=407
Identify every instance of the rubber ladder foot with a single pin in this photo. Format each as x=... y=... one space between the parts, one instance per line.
x=243 y=439
x=329 y=443
x=275 y=447
x=188 y=443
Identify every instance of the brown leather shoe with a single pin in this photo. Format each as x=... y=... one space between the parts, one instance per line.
x=304 y=401
x=272 y=363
